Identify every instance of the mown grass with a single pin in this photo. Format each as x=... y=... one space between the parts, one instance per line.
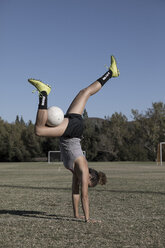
x=36 y=207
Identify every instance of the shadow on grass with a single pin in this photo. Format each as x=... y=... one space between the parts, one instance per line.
x=131 y=191
x=39 y=215
x=32 y=187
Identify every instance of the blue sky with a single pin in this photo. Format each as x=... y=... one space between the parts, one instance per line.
x=66 y=43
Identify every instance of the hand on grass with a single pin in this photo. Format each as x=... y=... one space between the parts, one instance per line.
x=89 y=220
x=82 y=217
x=93 y=221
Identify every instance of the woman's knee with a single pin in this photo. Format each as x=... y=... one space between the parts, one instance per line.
x=85 y=92
x=37 y=130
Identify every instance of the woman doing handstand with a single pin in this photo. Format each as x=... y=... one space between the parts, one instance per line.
x=70 y=133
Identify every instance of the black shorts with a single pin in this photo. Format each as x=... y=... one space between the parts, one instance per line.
x=75 y=126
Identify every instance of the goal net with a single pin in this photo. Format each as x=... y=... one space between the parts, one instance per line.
x=161 y=153
x=55 y=156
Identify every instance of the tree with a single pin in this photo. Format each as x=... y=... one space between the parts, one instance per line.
x=110 y=139
x=150 y=128
x=115 y=131
x=90 y=137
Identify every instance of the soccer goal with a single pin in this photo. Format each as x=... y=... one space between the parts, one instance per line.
x=161 y=153
x=55 y=156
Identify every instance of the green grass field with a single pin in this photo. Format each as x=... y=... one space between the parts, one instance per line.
x=36 y=207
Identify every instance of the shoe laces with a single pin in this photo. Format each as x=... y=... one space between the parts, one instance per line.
x=107 y=67
x=33 y=91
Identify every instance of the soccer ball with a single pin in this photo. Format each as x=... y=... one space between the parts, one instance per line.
x=55 y=116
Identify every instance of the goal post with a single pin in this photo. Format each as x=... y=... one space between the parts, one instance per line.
x=55 y=156
x=161 y=153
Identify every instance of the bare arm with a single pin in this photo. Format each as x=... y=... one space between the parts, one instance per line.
x=84 y=197
x=81 y=177
x=75 y=196
x=84 y=194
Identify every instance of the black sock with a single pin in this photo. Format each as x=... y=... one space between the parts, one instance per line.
x=42 y=100
x=105 y=77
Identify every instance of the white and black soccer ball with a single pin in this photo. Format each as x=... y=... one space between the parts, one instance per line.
x=55 y=116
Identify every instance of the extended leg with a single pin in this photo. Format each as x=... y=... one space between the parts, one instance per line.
x=78 y=104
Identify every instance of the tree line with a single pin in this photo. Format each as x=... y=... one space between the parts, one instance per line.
x=113 y=138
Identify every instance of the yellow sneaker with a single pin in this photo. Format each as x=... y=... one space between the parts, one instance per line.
x=40 y=86
x=113 y=67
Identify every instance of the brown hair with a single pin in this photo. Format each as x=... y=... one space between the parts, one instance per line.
x=97 y=177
